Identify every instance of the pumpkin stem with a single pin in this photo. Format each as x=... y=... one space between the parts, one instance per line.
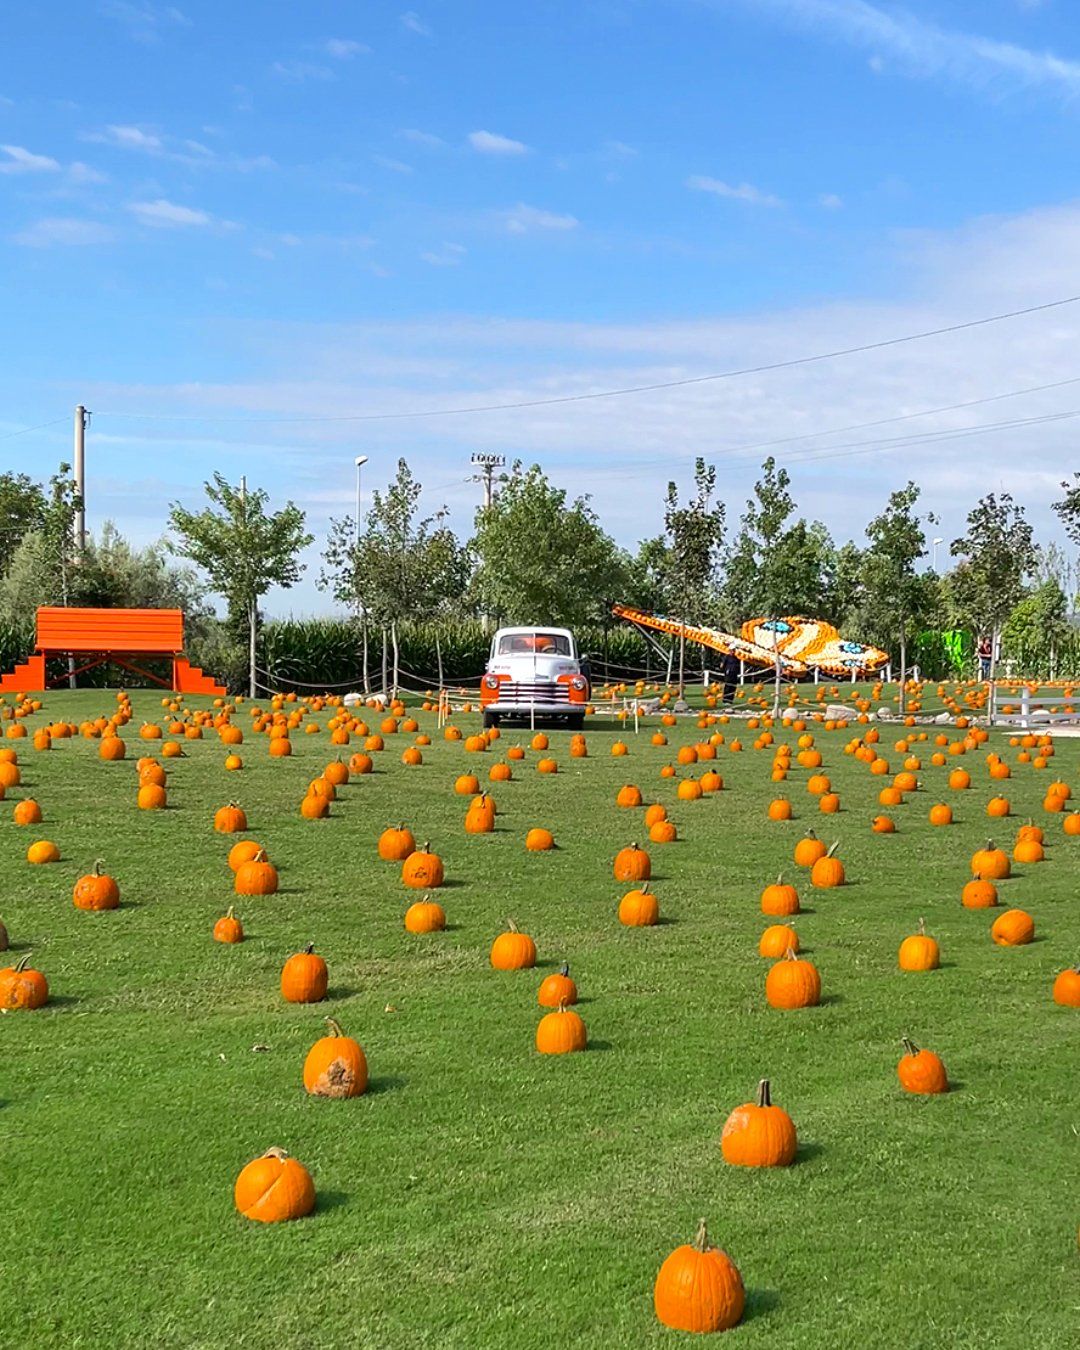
x=335 y=1027
x=789 y=955
x=909 y=1045
x=779 y=878
x=564 y=969
x=99 y=863
x=229 y=912
x=511 y=925
x=763 y=1098
x=23 y=963
x=811 y=834
x=276 y=1152
x=701 y=1241
x=832 y=849
x=260 y=856
x=922 y=928
x=309 y=949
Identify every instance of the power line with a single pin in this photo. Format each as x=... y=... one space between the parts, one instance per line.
x=628 y=389
x=25 y=431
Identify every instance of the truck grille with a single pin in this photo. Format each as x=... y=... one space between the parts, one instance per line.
x=510 y=692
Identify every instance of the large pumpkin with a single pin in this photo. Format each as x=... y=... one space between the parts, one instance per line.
x=758 y=1134
x=561 y=1033
x=274 y=1188
x=96 y=890
x=990 y=863
x=304 y=977
x=336 y=1065
x=793 y=983
x=422 y=870
x=258 y=876
x=780 y=898
x=632 y=864
x=639 y=908
x=513 y=950
x=1014 y=928
x=396 y=843
x=699 y=1288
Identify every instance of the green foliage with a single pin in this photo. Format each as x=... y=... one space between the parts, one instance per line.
x=997 y=554
x=1037 y=634
x=23 y=505
x=540 y=559
x=695 y=534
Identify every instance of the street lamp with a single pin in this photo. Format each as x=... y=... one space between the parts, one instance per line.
x=936 y=542
x=360 y=461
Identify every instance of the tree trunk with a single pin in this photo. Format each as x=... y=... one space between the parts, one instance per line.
x=776 y=685
x=903 y=668
x=382 y=688
x=394 y=644
x=364 y=646
x=682 y=663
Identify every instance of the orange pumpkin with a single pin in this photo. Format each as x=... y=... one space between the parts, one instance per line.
x=758 y=1134
x=1014 y=928
x=304 y=977
x=699 y=1288
x=229 y=928
x=96 y=890
x=274 y=1188
x=336 y=1065
x=561 y=1032
x=422 y=870
x=557 y=990
x=513 y=950
x=921 y=1071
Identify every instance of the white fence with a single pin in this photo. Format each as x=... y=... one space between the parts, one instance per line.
x=1026 y=710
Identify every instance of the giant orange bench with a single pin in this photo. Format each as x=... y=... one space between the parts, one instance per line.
x=96 y=637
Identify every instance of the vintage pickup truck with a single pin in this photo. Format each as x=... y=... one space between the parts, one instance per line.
x=536 y=674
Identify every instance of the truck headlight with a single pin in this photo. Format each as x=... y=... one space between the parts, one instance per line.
x=491 y=682
x=578 y=682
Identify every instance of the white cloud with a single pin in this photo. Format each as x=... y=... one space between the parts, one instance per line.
x=521 y=219
x=144 y=21
x=421 y=137
x=830 y=201
x=394 y=165
x=743 y=192
x=344 y=49
x=128 y=138
x=168 y=215
x=21 y=160
x=193 y=154
x=924 y=49
x=415 y=24
x=490 y=143
x=85 y=174
x=62 y=230
x=266 y=254
x=449 y=255
x=297 y=72
x=619 y=150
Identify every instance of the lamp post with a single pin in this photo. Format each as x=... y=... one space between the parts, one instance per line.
x=936 y=542
x=361 y=460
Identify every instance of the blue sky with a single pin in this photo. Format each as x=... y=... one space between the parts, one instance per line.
x=232 y=212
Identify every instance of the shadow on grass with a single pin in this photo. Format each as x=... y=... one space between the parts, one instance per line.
x=601 y=1045
x=827 y=1000
x=327 y=1200
x=453 y=884
x=341 y=991
x=759 y=1303
x=664 y=921
x=808 y=1152
x=63 y=1001
x=387 y=1082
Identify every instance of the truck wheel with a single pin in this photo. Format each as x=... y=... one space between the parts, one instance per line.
x=491 y=719
x=575 y=721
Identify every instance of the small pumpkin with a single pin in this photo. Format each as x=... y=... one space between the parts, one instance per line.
x=632 y=864
x=96 y=890
x=44 y=851
x=396 y=843
x=425 y=916
x=941 y=814
x=1067 y=988
x=27 y=812
x=780 y=809
x=793 y=983
x=230 y=819
x=151 y=797
x=758 y=1134
x=979 y=894
x=639 y=908
x=883 y=825
x=561 y=1032
x=336 y=1065
x=539 y=840
x=23 y=987
x=480 y=817
x=557 y=990
x=304 y=977
x=513 y=950
x=921 y=1071
x=422 y=870
x=699 y=1288
x=274 y=1188
x=780 y=898
x=1014 y=928
x=828 y=871
x=243 y=851
x=628 y=796
x=258 y=876
x=776 y=940
x=919 y=952
x=229 y=928
x=809 y=849
x=990 y=862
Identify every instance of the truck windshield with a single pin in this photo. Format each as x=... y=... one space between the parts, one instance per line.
x=543 y=644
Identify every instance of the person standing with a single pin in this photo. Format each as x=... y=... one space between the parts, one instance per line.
x=729 y=668
x=985 y=654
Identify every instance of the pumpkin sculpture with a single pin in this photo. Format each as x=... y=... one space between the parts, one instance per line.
x=919 y=952
x=758 y=1134
x=699 y=1288
x=422 y=870
x=557 y=990
x=274 y=1189
x=561 y=1032
x=336 y=1065
x=96 y=890
x=921 y=1071
x=258 y=876
x=22 y=987
x=793 y=983
x=304 y=977
x=513 y=950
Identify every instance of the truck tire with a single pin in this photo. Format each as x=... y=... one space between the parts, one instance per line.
x=576 y=721
x=491 y=719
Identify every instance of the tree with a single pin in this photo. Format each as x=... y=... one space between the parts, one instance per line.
x=23 y=504
x=243 y=550
x=1034 y=632
x=997 y=554
x=894 y=590
x=1068 y=509
x=540 y=559
x=695 y=534
x=399 y=568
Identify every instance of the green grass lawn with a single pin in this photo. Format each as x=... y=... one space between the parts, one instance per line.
x=480 y=1194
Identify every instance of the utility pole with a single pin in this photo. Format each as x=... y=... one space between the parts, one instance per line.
x=81 y=417
x=253 y=613
x=361 y=460
x=487 y=464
